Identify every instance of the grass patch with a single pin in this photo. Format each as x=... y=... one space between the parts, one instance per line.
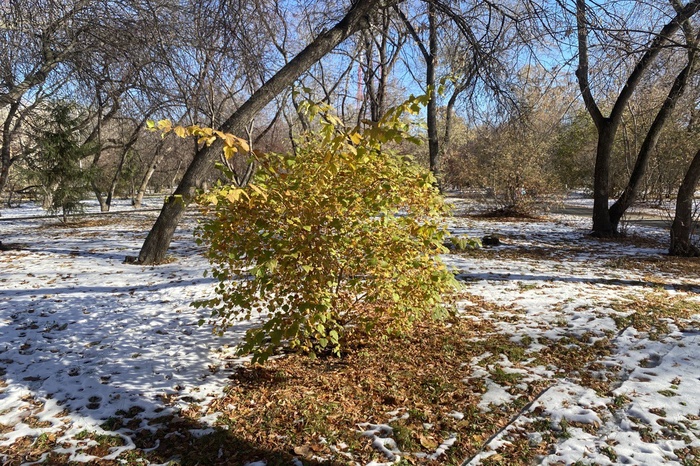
x=502 y=377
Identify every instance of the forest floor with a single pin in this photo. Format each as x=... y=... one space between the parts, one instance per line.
x=565 y=350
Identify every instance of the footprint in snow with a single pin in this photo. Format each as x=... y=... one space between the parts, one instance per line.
x=652 y=361
x=94 y=402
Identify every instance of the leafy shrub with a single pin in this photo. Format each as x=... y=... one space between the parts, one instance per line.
x=341 y=234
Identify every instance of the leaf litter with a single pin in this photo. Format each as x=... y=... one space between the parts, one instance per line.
x=564 y=349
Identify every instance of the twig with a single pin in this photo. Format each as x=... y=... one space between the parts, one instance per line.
x=512 y=420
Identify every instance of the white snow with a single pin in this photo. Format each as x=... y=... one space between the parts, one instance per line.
x=572 y=296
x=85 y=338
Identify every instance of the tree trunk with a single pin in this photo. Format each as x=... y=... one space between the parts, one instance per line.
x=429 y=55
x=5 y=149
x=97 y=136
x=682 y=226
x=601 y=182
x=115 y=178
x=433 y=143
x=630 y=193
x=607 y=127
x=158 y=239
x=157 y=158
x=100 y=198
x=125 y=152
x=446 y=143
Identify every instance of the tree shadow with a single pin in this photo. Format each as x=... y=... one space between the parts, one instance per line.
x=515 y=277
x=217 y=448
x=64 y=372
x=114 y=371
x=172 y=440
x=73 y=290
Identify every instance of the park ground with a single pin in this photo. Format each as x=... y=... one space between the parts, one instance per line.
x=565 y=349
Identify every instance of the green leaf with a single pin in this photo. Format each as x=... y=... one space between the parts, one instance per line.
x=333 y=335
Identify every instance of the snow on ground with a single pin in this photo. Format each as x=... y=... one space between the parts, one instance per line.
x=84 y=337
x=572 y=295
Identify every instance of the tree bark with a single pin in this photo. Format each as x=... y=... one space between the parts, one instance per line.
x=157 y=158
x=628 y=196
x=5 y=149
x=158 y=240
x=431 y=116
x=100 y=198
x=603 y=224
x=601 y=183
x=682 y=226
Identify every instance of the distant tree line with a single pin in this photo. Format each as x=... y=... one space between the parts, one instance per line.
x=528 y=98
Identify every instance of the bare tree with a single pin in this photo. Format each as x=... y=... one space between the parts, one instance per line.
x=429 y=54
x=158 y=239
x=683 y=222
x=89 y=52
x=36 y=37
x=605 y=219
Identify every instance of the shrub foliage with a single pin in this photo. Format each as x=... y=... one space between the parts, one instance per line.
x=340 y=235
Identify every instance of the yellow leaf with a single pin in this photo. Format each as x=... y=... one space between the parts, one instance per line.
x=234 y=195
x=229 y=139
x=229 y=151
x=356 y=138
x=243 y=144
x=165 y=125
x=180 y=131
x=207 y=140
x=258 y=190
x=209 y=198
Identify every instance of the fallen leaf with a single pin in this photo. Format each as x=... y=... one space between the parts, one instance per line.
x=428 y=442
x=304 y=450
